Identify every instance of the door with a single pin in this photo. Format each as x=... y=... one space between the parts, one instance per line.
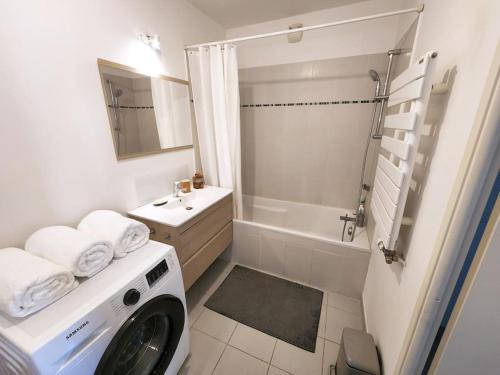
x=147 y=341
x=468 y=341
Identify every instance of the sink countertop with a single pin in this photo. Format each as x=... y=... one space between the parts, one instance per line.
x=174 y=213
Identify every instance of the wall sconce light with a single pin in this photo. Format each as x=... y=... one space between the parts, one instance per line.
x=152 y=40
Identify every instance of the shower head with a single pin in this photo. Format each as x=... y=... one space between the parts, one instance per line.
x=114 y=93
x=374 y=75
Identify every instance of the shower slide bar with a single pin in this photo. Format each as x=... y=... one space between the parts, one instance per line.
x=418 y=10
x=393 y=174
x=384 y=96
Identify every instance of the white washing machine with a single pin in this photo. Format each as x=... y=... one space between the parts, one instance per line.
x=130 y=318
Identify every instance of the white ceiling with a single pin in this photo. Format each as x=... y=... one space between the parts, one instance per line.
x=236 y=13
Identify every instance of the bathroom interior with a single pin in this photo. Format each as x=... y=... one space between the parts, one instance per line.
x=233 y=187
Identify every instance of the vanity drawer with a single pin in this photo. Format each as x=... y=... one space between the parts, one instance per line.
x=158 y=232
x=204 y=257
x=194 y=237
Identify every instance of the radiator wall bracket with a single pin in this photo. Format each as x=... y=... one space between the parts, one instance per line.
x=389 y=255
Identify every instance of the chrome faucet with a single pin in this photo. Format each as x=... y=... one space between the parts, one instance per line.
x=177 y=189
x=346 y=218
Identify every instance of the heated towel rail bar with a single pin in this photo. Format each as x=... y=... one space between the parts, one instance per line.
x=411 y=89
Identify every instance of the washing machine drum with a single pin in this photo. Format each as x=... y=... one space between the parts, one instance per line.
x=147 y=341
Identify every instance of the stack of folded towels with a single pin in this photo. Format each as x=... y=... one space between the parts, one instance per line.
x=46 y=271
x=29 y=283
x=124 y=234
x=84 y=254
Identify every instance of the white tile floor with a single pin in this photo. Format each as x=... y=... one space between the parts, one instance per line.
x=221 y=346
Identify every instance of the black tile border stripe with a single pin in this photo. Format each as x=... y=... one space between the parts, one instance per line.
x=333 y=102
x=131 y=107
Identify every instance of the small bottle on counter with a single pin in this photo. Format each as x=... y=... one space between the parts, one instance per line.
x=186 y=186
x=198 y=181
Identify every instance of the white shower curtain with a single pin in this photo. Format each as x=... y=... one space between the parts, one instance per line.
x=164 y=113
x=214 y=80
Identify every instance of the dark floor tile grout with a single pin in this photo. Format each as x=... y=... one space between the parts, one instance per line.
x=250 y=355
x=198 y=317
x=215 y=338
x=217 y=364
x=349 y=312
x=274 y=349
x=232 y=333
x=272 y=356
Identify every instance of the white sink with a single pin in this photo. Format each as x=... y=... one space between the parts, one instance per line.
x=179 y=210
x=189 y=201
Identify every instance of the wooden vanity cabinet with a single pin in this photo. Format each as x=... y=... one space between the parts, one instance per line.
x=199 y=241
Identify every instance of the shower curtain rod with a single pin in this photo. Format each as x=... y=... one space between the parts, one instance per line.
x=418 y=9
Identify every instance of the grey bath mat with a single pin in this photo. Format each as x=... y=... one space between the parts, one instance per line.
x=280 y=308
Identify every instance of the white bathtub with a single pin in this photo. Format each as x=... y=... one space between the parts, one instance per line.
x=301 y=242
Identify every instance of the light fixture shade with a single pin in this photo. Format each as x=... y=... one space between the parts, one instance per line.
x=152 y=40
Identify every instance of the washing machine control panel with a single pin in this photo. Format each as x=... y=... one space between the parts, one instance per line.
x=131 y=297
x=158 y=271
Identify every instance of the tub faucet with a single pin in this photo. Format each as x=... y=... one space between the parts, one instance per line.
x=346 y=218
x=177 y=189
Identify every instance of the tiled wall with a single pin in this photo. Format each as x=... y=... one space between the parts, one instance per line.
x=304 y=128
x=138 y=125
x=148 y=132
x=129 y=134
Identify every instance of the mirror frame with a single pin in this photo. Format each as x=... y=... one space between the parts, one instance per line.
x=112 y=64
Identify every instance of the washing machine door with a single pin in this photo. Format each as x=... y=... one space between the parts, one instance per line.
x=147 y=341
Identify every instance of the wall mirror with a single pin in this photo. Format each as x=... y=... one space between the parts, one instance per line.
x=147 y=114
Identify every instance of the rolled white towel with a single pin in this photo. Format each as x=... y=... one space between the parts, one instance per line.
x=29 y=283
x=83 y=253
x=125 y=234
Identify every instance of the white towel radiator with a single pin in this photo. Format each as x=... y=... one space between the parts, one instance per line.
x=411 y=89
